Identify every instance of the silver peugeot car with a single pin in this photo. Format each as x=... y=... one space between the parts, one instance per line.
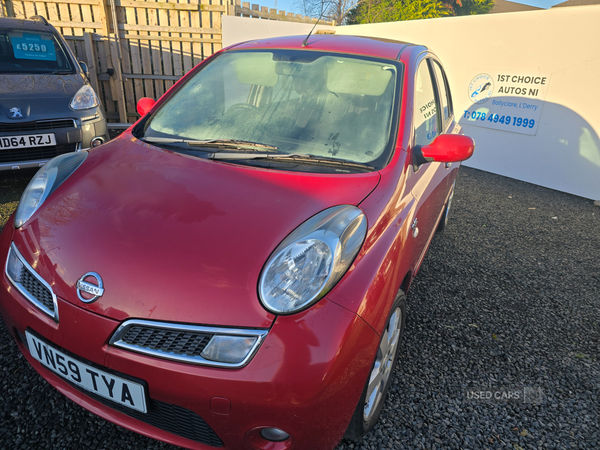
x=47 y=105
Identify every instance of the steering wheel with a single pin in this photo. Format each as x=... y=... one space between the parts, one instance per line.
x=240 y=107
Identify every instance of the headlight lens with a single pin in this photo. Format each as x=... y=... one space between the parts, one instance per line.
x=85 y=98
x=312 y=259
x=48 y=178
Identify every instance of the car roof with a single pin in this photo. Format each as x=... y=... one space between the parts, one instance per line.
x=8 y=23
x=360 y=45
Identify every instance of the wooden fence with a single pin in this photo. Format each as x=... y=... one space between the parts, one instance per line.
x=139 y=48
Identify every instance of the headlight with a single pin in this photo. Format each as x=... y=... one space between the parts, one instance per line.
x=312 y=259
x=85 y=98
x=48 y=178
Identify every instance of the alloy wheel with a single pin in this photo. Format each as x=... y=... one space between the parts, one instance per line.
x=384 y=363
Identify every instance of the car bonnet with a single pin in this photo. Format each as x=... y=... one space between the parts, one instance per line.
x=37 y=96
x=174 y=238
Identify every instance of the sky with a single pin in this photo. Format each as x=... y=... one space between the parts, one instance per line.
x=539 y=3
x=295 y=6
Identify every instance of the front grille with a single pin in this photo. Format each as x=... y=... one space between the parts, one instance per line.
x=15 y=155
x=168 y=417
x=178 y=342
x=19 y=127
x=33 y=287
x=36 y=289
x=187 y=343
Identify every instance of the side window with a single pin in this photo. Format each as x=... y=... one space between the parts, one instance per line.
x=425 y=114
x=445 y=99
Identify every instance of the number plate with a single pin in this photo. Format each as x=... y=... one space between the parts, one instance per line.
x=104 y=384
x=32 y=140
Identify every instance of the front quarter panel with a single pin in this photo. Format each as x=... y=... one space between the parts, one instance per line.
x=371 y=284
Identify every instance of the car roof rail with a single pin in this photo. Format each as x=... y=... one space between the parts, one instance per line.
x=40 y=19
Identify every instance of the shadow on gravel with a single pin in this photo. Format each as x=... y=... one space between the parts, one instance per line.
x=507 y=299
x=12 y=185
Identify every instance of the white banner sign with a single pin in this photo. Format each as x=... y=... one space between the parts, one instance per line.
x=506 y=101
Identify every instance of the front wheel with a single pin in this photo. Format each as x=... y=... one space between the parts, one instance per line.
x=372 y=399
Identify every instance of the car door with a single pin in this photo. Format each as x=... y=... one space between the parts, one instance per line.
x=428 y=182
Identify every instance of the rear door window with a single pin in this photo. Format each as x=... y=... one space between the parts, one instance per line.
x=445 y=100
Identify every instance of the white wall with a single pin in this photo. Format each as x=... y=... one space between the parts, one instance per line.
x=562 y=44
x=239 y=29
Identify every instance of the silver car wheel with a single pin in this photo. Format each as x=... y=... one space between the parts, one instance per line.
x=384 y=362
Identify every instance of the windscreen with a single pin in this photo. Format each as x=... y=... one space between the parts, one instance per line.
x=32 y=52
x=302 y=102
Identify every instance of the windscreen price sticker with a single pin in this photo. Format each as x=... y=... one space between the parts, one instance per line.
x=33 y=46
x=506 y=101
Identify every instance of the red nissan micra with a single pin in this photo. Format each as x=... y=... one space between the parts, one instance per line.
x=231 y=271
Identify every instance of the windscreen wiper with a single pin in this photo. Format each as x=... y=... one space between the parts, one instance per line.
x=241 y=155
x=218 y=143
x=297 y=157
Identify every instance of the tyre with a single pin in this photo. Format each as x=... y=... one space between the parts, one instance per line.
x=373 y=397
x=444 y=219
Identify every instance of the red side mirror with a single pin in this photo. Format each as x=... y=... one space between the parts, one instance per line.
x=449 y=148
x=144 y=105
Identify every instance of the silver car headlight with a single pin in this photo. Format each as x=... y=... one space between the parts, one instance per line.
x=85 y=98
x=45 y=181
x=312 y=259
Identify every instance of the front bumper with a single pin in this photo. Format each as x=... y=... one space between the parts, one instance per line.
x=305 y=379
x=73 y=133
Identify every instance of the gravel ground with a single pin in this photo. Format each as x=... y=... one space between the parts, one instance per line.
x=12 y=185
x=506 y=302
